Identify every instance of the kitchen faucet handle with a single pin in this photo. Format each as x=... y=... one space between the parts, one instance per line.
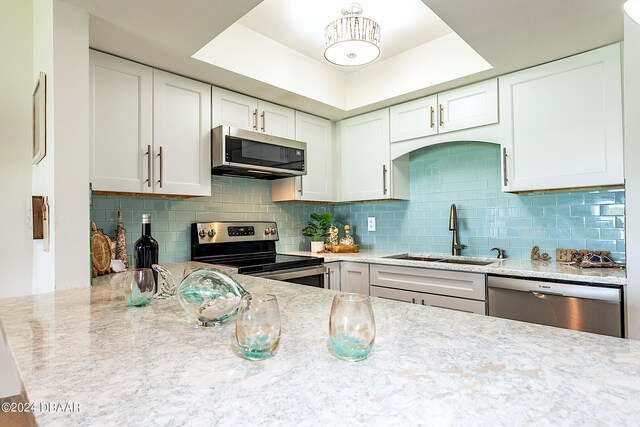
x=501 y=254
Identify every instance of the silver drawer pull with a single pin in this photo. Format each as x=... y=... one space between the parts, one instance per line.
x=161 y=167
x=149 y=165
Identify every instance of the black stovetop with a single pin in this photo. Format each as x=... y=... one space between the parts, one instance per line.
x=251 y=264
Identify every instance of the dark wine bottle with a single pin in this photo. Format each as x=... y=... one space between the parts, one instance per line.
x=145 y=252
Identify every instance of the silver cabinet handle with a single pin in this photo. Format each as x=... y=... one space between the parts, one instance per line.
x=384 y=179
x=441 y=115
x=328 y=278
x=149 y=165
x=161 y=167
x=504 y=167
x=263 y=121
x=255 y=119
x=301 y=188
x=431 y=122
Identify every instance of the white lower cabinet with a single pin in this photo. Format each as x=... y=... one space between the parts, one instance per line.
x=438 y=288
x=354 y=277
x=332 y=276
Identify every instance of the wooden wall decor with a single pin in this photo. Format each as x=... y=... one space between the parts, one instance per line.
x=569 y=255
x=37 y=205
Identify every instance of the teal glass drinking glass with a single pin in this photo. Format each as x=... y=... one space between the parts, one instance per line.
x=139 y=287
x=258 y=326
x=352 y=327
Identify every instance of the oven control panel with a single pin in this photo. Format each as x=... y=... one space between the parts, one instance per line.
x=234 y=231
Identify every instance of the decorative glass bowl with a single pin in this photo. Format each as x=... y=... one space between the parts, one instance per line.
x=210 y=296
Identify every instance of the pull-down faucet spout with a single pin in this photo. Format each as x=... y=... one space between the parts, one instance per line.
x=456 y=246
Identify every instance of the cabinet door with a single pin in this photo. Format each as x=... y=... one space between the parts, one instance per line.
x=365 y=152
x=459 y=304
x=332 y=276
x=235 y=110
x=354 y=277
x=276 y=120
x=182 y=135
x=468 y=107
x=423 y=280
x=317 y=184
x=562 y=123
x=395 y=294
x=414 y=119
x=121 y=124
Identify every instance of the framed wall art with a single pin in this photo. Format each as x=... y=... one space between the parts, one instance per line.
x=40 y=119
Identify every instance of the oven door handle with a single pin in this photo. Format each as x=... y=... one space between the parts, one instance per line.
x=292 y=273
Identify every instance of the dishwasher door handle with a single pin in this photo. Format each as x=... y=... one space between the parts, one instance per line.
x=542 y=295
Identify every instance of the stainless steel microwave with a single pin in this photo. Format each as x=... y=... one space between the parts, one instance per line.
x=239 y=152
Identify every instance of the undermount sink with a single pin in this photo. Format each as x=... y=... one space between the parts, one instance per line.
x=443 y=260
x=466 y=261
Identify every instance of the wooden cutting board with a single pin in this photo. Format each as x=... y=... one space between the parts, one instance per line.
x=100 y=252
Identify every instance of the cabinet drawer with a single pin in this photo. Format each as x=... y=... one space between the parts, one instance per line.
x=440 y=282
x=394 y=294
x=458 y=304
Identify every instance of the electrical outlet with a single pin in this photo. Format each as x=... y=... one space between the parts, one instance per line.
x=371 y=223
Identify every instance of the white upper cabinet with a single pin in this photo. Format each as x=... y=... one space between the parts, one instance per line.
x=182 y=135
x=468 y=106
x=235 y=110
x=121 y=124
x=414 y=119
x=463 y=108
x=150 y=130
x=276 y=120
x=317 y=184
x=244 y=112
x=367 y=172
x=562 y=123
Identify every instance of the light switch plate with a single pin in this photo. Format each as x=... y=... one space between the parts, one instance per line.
x=371 y=223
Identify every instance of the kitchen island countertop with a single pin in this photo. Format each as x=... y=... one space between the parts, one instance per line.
x=508 y=267
x=152 y=366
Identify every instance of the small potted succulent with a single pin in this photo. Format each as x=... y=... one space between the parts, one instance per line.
x=317 y=229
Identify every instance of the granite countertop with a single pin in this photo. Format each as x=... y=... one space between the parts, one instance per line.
x=153 y=366
x=509 y=267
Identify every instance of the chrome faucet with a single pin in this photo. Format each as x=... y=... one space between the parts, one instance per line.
x=456 y=246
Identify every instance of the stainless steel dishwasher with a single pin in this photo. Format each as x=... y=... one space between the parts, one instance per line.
x=581 y=307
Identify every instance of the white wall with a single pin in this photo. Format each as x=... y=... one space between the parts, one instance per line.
x=16 y=86
x=60 y=49
x=632 y=172
x=42 y=178
x=71 y=161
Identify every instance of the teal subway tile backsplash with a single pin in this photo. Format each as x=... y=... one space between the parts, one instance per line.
x=464 y=173
x=468 y=174
x=232 y=199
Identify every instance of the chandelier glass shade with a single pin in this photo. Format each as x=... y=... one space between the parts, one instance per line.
x=632 y=8
x=352 y=40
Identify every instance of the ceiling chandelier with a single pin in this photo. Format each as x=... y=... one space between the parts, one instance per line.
x=632 y=7
x=352 y=40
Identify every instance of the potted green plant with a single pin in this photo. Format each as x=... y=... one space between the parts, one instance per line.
x=317 y=229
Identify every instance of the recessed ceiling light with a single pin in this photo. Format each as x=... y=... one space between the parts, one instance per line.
x=352 y=40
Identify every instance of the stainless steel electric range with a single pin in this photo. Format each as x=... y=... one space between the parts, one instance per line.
x=251 y=247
